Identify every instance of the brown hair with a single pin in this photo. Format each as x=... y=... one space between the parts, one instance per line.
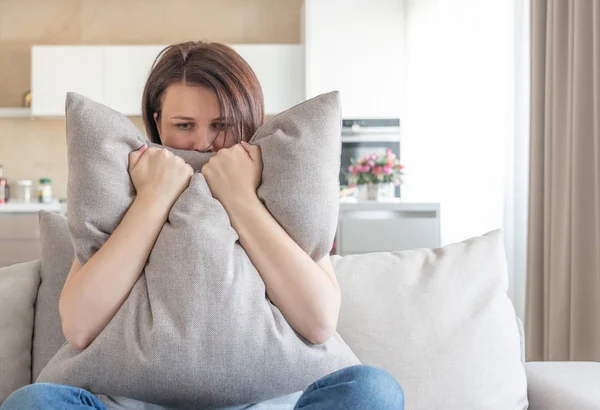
x=212 y=65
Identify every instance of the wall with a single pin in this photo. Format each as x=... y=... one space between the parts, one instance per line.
x=459 y=110
x=465 y=120
x=30 y=149
x=369 y=35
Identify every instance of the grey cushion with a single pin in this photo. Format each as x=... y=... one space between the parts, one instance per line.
x=197 y=328
x=440 y=321
x=57 y=257
x=18 y=289
x=563 y=385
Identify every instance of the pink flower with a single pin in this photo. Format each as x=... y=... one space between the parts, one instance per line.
x=374 y=156
x=387 y=170
x=371 y=163
x=353 y=170
x=365 y=168
x=377 y=170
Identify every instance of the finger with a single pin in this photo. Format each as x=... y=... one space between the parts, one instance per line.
x=134 y=156
x=246 y=146
x=252 y=150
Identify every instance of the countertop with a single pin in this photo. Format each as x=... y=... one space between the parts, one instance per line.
x=396 y=204
x=346 y=204
x=32 y=207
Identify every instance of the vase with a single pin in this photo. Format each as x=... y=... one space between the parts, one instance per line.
x=377 y=192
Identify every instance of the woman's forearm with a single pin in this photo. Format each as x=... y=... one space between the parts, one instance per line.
x=306 y=292
x=95 y=291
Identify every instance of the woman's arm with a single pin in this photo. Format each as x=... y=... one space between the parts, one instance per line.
x=94 y=292
x=306 y=292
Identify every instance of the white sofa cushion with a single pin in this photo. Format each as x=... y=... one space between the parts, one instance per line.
x=439 y=320
x=18 y=290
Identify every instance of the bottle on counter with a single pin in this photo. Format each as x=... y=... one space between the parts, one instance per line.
x=3 y=187
x=45 y=191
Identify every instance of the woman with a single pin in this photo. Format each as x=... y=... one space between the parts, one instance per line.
x=205 y=97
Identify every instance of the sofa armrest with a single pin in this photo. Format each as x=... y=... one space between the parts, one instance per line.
x=563 y=385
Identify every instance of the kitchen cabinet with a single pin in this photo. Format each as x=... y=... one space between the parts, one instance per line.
x=19 y=238
x=356 y=47
x=126 y=70
x=20 y=231
x=115 y=75
x=55 y=70
x=370 y=226
x=280 y=71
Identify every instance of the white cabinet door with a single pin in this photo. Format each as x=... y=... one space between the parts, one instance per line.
x=115 y=75
x=126 y=70
x=280 y=71
x=56 y=70
x=371 y=226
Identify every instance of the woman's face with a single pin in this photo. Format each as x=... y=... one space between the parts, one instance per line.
x=190 y=119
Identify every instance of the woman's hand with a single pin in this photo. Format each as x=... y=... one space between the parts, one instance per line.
x=233 y=174
x=158 y=174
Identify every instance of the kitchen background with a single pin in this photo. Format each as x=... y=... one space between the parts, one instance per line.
x=454 y=73
x=35 y=148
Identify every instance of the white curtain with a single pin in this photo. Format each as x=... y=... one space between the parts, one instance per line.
x=465 y=121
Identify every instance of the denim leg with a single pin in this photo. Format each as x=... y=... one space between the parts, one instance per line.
x=48 y=396
x=354 y=388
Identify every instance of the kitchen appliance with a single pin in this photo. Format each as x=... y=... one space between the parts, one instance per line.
x=366 y=136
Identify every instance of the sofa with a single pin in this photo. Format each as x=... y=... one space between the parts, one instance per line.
x=30 y=327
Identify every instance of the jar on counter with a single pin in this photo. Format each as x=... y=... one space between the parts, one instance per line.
x=23 y=190
x=45 y=191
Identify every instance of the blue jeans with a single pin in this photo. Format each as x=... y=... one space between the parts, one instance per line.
x=353 y=388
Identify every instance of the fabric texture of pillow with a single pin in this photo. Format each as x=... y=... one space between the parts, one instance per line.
x=18 y=289
x=57 y=257
x=440 y=321
x=197 y=328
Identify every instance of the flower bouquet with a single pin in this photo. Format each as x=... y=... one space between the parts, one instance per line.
x=376 y=175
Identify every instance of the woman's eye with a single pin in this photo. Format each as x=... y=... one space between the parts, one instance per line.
x=219 y=126
x=184 y=126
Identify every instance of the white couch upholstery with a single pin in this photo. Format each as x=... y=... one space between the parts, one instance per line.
x=563 y=385
x=551 y=386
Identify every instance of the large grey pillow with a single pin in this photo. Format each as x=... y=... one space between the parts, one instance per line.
x=440 y=321
x=57 y=256
x=197 y=328
x=18 y=289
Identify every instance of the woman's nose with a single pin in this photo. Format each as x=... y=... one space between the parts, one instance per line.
x=204 y=140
